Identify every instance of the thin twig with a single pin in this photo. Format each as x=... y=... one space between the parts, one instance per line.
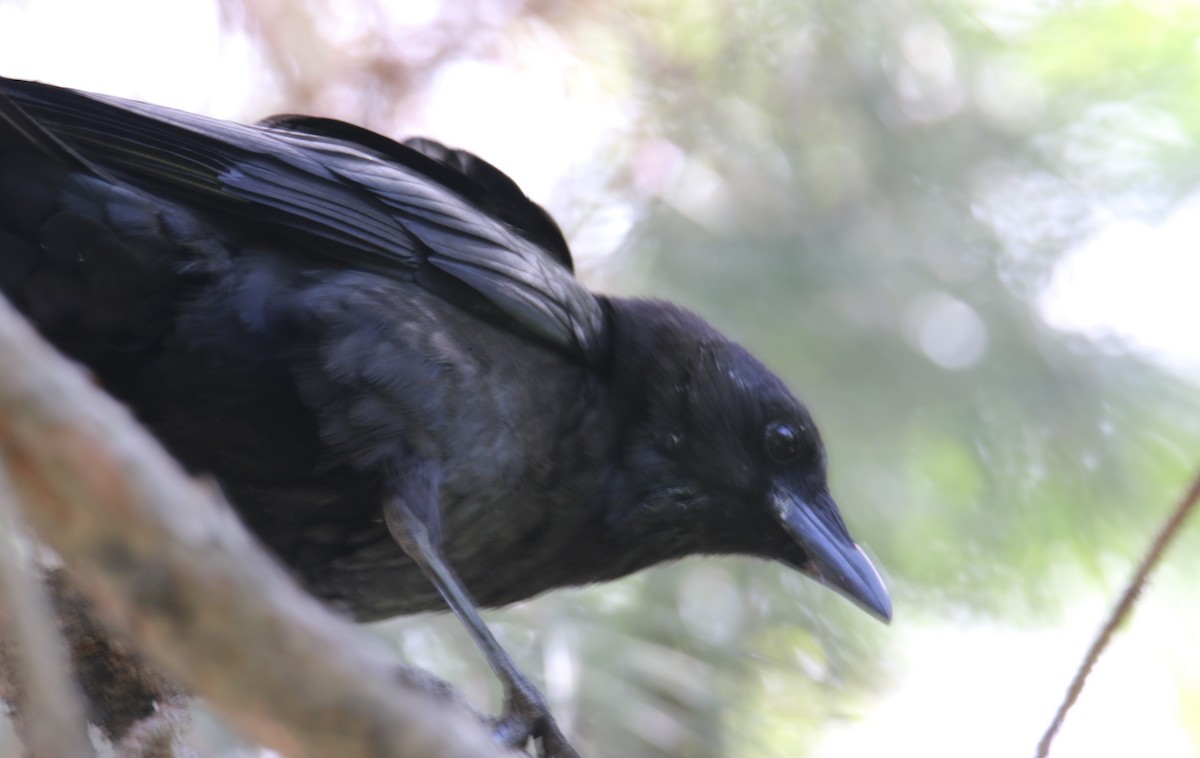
x=1119 y=613
x=48 y=707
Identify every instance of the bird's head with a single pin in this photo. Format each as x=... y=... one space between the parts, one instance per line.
x=726 y=459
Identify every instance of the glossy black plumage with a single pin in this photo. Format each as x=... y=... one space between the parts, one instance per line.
x=354 y=334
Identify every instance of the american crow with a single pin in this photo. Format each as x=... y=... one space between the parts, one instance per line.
x=382 y=353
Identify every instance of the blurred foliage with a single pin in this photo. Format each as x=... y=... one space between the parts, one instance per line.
x=873 y=196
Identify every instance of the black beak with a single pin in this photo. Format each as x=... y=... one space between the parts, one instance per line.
x=834 y=558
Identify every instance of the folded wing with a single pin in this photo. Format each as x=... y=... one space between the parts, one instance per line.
x=342 y=196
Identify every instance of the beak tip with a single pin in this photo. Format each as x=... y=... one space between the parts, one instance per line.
x=856 y=579
x=833 y=559
x=867 y=588
x=880 y=607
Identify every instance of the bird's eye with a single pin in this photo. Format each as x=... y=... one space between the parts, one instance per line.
x=783 y=442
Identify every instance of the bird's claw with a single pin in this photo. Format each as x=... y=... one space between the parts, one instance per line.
x=526 y=716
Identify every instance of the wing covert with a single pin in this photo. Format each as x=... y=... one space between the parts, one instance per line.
x=346 y=196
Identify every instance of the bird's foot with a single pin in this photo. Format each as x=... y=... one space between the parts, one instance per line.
x=526 y=716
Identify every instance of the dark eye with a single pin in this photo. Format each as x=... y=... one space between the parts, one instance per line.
x=783 y=442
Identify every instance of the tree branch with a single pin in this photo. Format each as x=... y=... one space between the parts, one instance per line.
x=168 y=565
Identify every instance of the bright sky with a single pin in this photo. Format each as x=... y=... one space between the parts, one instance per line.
x=1138 y=284
x=172 y=53
x=1135 y=281
x=983 y=690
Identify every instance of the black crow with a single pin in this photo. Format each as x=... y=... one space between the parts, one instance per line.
x=381 y=352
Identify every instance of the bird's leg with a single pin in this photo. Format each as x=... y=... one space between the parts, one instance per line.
x=526 y=713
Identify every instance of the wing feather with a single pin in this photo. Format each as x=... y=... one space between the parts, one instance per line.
x=344 y=195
